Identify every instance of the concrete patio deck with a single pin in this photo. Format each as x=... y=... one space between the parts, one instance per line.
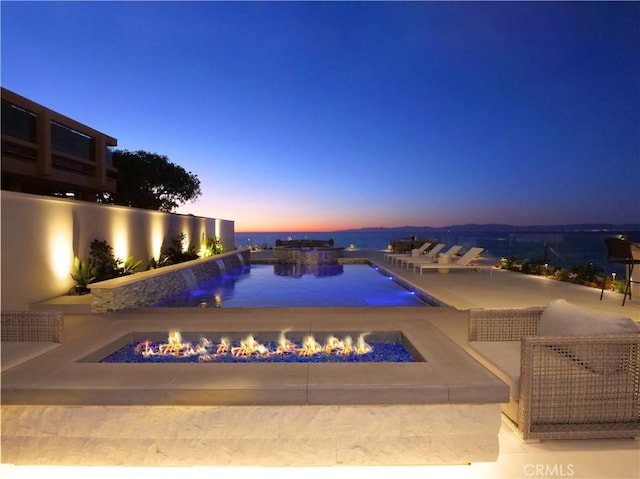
x=462 y=290
x=466 y=289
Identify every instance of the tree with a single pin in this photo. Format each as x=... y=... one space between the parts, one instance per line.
x=151 y=181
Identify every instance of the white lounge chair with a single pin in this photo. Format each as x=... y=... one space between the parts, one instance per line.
x=414 y=252
x=421 y=250
x=464 y=262
x=449 y=253
x=432 y=253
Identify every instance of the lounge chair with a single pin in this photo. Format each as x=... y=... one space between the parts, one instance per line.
x=414 y=252
x=449 y=253
x=573 y=373
x=431 y=254
x=464 y=262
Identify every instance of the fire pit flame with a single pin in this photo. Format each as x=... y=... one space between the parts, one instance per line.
x=361 y=346
x=310 y=347
x=223 y=347
x=250 y=347
x=145 y=349
x=284 y=345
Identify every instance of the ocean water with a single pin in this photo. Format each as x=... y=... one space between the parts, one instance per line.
x=559 y=249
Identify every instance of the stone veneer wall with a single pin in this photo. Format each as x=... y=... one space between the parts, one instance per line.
x=145 y=288
x=307 y=255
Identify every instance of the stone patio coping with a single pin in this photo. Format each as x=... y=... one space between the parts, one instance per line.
x=449 y=375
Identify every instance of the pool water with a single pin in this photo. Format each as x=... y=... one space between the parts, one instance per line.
x=264 y=286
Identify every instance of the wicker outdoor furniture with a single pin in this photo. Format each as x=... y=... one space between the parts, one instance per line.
x=573 y=386
x=32 y=326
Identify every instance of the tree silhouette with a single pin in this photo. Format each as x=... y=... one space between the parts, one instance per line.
x=151 y=181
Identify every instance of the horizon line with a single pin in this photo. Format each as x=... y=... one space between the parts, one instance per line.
x=603 y=226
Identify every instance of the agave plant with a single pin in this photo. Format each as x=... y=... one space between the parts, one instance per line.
x=128 y=266
x=617 y=285
x=210 y=246
x=83 y=274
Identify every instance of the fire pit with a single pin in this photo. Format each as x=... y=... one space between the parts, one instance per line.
x=302 y=347
x=441 y=408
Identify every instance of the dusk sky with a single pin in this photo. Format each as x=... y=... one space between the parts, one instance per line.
x=320 y=116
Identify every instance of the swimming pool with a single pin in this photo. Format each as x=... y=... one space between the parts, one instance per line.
x=264 y=286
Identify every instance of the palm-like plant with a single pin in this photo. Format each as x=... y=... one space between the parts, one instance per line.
x=83 y=274
x=128 y=266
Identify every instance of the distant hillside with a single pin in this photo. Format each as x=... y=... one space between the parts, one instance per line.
x=508 y=228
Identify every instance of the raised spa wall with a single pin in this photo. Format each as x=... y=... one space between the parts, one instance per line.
x=307 y=255
x=148 y=287
x=307 y=252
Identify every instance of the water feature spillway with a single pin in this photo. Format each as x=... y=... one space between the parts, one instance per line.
x=189 y=278
x=221 y=266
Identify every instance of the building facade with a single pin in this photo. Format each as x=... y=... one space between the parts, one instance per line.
x=47 y=153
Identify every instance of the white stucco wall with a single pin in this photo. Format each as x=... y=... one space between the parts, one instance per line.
x=41 y=235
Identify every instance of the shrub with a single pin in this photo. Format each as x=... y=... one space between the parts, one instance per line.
x=506 y=263
x=534 y=267
x=561 y=274
x=210 y=246
x=102 y=258
x=525 y=266
x=107 y=265
x=586 y=273
x=175 y=253
x=617 y=285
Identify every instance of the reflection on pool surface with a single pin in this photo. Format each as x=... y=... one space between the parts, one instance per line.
x=264 y=286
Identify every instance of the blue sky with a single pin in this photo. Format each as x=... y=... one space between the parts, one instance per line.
x=305 y=116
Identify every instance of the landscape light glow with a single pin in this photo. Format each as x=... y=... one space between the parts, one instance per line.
x=121 y=244
x=217 y=228
x=120 y=238
x=156 y=236
x=59 y=234
x=185 y=241
x=61 y=253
